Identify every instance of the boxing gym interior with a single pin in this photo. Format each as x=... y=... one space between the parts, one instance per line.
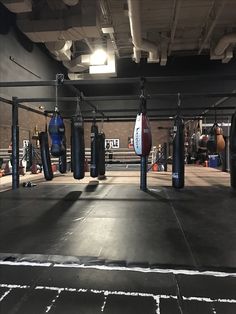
x=117 y=156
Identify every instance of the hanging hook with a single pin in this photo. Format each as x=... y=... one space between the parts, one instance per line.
x=59 y=81
x=178 y=104
x=143 y=98
x=78 y=109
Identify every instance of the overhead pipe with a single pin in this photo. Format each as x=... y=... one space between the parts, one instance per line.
x=71 y=3
x=135 y=28
x=224 y=43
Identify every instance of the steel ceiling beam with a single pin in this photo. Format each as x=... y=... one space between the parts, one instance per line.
x=211 y=21
x=124 y=80
x=176 y=10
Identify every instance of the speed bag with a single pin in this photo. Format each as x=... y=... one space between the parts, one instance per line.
x=57 y=133
x=232 y=145
x=142 y=135
x=78 y=149
x=45 y=156
x=94 y=152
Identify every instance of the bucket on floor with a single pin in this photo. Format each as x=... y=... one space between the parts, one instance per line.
x=54 y=167
x=155 y=167
x=213 y=161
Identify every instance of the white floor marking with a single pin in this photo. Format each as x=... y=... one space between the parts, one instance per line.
x=10 y=286
x=155 y=190
x=119 y=268
x=24 y=263
x=157 y=299
x=53 y=301
x=77 y=219
x=150 y=270
x=5 y=294
x=106 y=293
x=105 y=301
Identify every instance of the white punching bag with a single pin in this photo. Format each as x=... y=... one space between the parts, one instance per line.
x=142 y=135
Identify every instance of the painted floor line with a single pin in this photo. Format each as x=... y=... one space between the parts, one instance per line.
x=121 y=268
x=157 y=297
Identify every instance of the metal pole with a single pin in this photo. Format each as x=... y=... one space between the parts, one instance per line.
x=15 y=144
x=143 y=173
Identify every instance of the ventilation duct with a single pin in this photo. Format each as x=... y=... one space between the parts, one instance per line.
x=71 y=2
x=18 y=6
x=135 y=28
x=224 y=43
x=60 y=49
x=78 y=64
x=76 y=24
x=224 y=48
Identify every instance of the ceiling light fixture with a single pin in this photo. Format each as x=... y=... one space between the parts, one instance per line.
x=99 y=57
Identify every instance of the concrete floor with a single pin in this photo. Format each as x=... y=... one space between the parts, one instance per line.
x=106 y=246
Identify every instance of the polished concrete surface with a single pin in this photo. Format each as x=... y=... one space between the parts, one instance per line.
x=131 y=235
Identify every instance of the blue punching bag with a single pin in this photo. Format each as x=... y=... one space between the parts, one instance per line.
x=57 y=133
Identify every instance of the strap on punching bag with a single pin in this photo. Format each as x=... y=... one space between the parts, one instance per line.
x=232 y=147
x=94 y=150
x=45 y=156
x=77 y=144
x=178 y=150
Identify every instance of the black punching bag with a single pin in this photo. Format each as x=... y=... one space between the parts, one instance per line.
x=45 y=156
x=178 y=154
x=63 y=159
x=101 y=166
x=94 y=151
x=78 y=148
x=232 y=145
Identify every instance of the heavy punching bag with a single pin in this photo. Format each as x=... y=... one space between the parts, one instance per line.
x=178 y=154
x=94 y=151
x=142 y=137
x=57 y=133
x=101 y=163
x=216 y=142
x=78 y=148
x=232 y=147
x=63 y=159
x=45 y=156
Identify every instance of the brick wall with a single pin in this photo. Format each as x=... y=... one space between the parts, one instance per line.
x=28 y=120
x=123 y=130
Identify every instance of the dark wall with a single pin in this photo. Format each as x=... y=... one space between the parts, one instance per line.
x=34 y=58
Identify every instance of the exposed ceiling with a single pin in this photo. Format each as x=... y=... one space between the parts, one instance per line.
x=200 y=32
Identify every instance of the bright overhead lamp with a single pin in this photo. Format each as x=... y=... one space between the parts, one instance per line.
x=99 y=57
